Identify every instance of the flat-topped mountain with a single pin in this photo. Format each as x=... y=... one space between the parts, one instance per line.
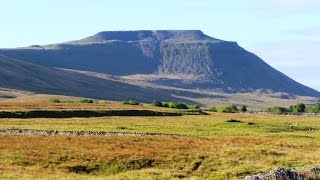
x=183 y=59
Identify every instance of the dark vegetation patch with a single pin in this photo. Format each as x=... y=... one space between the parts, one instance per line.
x=234 y=121
x=140 y=164
x=82 y=113
x=81 y=169
x=197 y=163
x=251 y=123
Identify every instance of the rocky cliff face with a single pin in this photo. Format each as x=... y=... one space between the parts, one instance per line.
x=211 y=63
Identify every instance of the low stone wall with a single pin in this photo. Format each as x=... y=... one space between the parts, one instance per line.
x=32 y=132
x=288 y=174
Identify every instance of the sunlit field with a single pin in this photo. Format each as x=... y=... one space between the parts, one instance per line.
x=212 y=148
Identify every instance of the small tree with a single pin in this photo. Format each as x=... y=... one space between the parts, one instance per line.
x=172 y=104
x=234 y=108
x=298 y=108
x=225 y=109
x=243 y=108
x=315 y=108
x=157 y=104
x=193 y=106
x=213 y=109
x=181 y=106
x=278 y=110
x=165 y=104
x=54 y=100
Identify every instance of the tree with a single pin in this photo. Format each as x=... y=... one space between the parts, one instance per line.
x=193 y=106
x=181 y=106
x=213 y=109
x=157 y=104
x=234 y=108
x=315 y=108
x=243 y=108
x=298 y=108
x=172 y=104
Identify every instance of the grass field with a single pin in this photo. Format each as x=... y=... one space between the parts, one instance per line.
x=213 y=149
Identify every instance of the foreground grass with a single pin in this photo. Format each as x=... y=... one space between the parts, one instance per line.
x=216 y=149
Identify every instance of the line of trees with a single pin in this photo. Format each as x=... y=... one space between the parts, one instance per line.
x=175 y=105
x=228 y=109
x=296 y=108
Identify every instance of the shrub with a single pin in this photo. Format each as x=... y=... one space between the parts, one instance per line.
x=213 y=109
x=172 y=104
x=85 y=100
x=243 y=108
x=298 y=108
x=130 y=102
x=224 y=109
x=181 y=106
x=234 y=108
x=103 y=102
x=165 y=104
x=228 y=109
x=54 y=100
x=193 y=106
x=315 y=108
x=157 y=104
x=278 y=110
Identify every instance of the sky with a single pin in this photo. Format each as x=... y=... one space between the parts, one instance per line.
x=284 y=33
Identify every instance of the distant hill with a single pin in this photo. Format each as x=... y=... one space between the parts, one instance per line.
x=183 y=59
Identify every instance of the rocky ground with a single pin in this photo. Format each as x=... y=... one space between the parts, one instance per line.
x=288 y=174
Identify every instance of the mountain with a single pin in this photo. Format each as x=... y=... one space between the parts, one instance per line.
x=22 y=76
x=181 y=59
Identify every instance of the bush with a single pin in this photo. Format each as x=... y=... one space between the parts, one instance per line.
x=228 y=109
x=213 y=109
x=85 y=100
x=181 y=106
x=165 y=104
x=278 y=110
x=130 y=102
x=298 y=108
x=234 y=108
x=157 y=104
x=193 y=107
x=314 y=109
x=54 y=100
x=172 y=104
x=243 y=108
x=103 y=102
x=224 y=109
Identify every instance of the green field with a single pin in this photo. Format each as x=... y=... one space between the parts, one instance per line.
x=213 y=149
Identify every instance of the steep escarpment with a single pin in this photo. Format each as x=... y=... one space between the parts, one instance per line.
x=24 y=76
x=183 y=59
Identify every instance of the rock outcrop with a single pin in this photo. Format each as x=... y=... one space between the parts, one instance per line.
x=288 y=174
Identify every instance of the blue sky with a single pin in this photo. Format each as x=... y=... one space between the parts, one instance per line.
x=285 y=33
